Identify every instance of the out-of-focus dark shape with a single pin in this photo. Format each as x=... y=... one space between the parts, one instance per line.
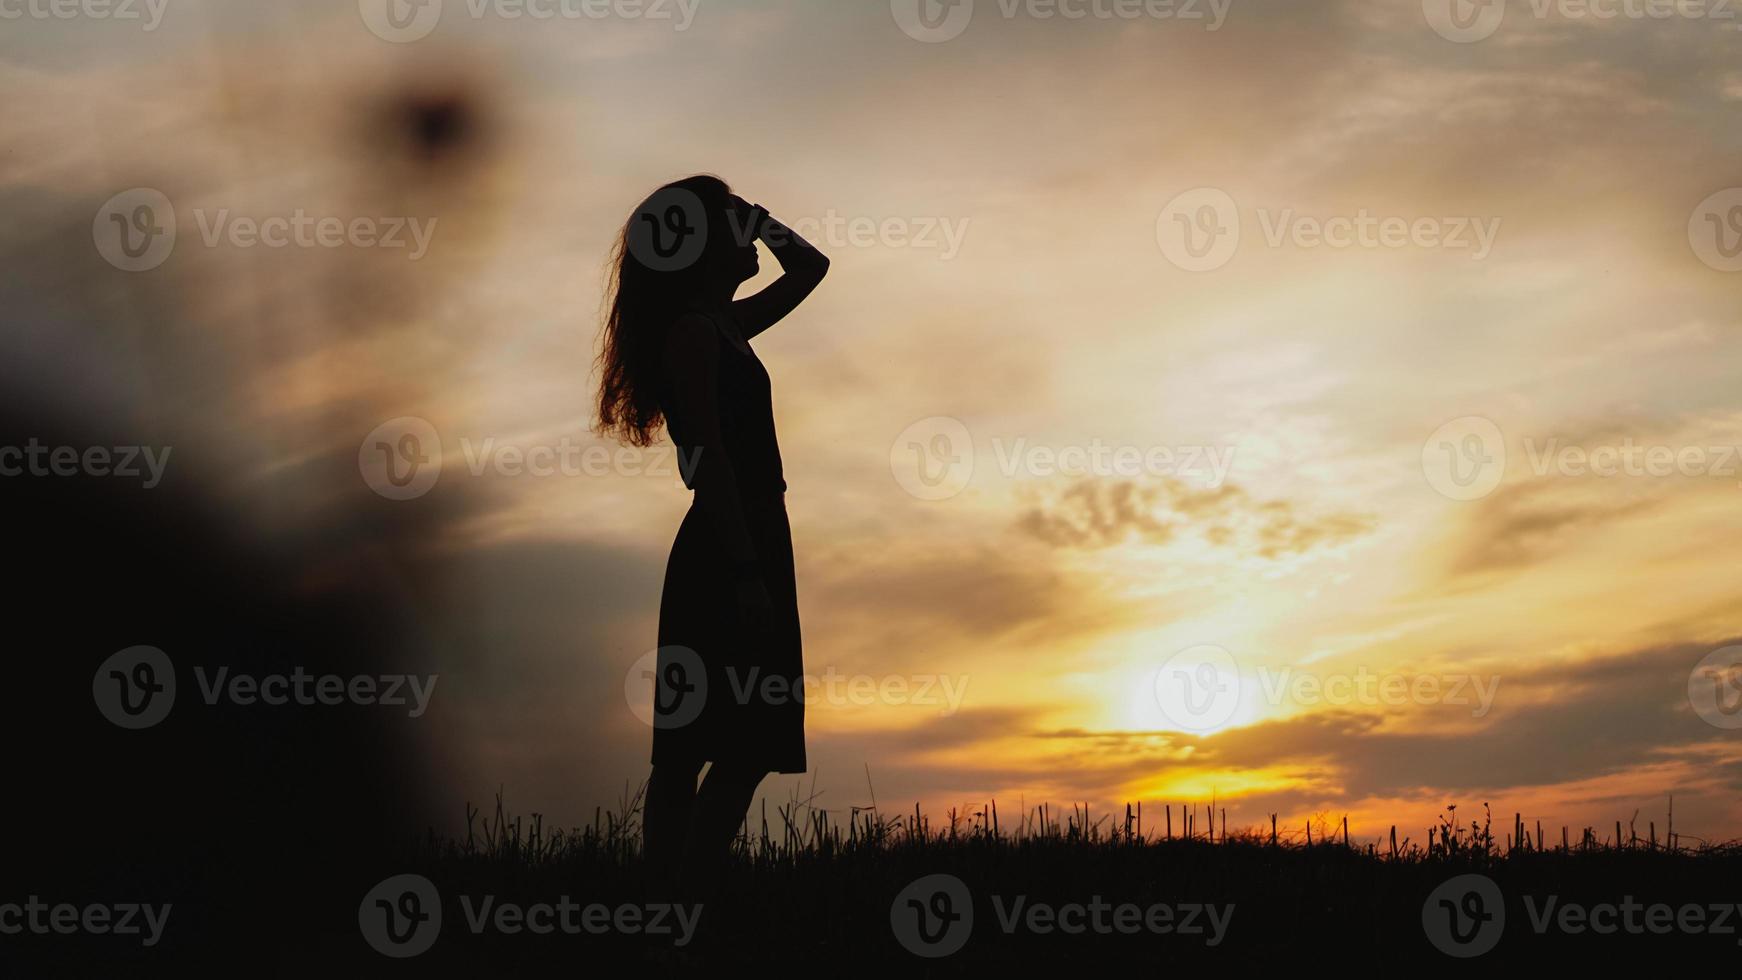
x=256 y=372
x=448 y=124
x=440 y=124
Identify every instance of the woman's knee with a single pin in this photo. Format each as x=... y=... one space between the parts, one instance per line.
x=670 y=777
x=737 y=776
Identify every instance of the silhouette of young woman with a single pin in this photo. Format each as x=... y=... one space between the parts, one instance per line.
x=676 y=352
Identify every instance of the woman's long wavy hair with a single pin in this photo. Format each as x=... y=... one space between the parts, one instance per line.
x=642 y=301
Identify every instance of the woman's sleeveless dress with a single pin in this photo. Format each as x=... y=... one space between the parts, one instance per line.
x=723 y=695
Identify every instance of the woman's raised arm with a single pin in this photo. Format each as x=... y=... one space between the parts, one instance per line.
x=802 y=268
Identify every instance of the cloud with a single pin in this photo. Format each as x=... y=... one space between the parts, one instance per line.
x=1524 y=524
x=1060 y=310
x=1554 y=723
x=892 y=603
x=1096 y=514
x=1596 y=482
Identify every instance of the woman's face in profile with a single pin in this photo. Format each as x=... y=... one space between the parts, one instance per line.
x=742 y=259
x=734 y=261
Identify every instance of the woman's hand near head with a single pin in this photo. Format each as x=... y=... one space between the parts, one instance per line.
x=749 y=218
x=802 y=269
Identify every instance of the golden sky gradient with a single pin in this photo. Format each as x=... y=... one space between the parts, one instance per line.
x=1057 y=317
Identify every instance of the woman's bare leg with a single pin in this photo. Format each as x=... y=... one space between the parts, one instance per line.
x=720 y=807
x=665 y=824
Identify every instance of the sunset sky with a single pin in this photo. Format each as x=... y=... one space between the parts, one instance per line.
x=1003 y=211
